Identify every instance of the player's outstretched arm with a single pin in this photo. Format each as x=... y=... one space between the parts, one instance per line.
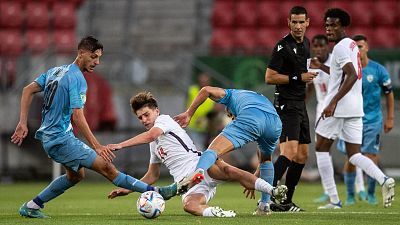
x=214 y=93
x=80 y=121
x=21 y=131
x=143 y=138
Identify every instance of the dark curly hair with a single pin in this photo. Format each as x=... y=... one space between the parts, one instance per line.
x=342 y=15
x=143 y=99
x=90 y=43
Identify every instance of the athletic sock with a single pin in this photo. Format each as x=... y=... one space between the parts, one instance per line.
x=267 y=174
x=32 y=205
x=349 y=180
x=207 y=159
x=207 y=212
x=280 y=166
x=263 y=186
x=368 y=166
x=359 y=180
x=325 y=169
x=54 y=189
x=292 y=179
x=128 y=182
x=371 y=185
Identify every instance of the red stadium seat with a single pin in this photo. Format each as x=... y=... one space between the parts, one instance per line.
x=222 y=41
x=37 y=41
x=267 y=38
x=385 y=37
x=368 y=32
x=312 y=31
x=246 y=13
x=385 y=12
x=11 y=42
x=245 y=40
x=64 y=41
x=11 y=15
x=361 y=13
x=315 y=11
x=222 y=14
x=37 y=15
x=64 y=14
x=265 y=16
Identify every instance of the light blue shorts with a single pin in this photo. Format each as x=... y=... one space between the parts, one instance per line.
x=370 y=141
x=255 y=125
x=70 y=152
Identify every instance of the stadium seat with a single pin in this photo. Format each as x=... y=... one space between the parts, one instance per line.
x=266 y=38
x=11 y=15
x=64 y=41
x=64 y=15
x=221 y=41
x=314 y=30
x=222 y=14
x=37 y=15
x=361 y=13
x=37 y=41
x=385 y=13
x=245 y=40
x=368 y=32
x=315 y=10
x=11 y=42
x=246 y=13
x=265 y=17
x=385 y=37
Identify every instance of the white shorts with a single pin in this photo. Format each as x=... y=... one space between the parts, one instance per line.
x=208 y=187
x=347 y=129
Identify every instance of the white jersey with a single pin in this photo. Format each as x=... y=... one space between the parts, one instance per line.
x=351 y=105
x=321 y=85
x=174 y=148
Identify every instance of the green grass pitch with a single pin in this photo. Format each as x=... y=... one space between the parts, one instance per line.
x=86 y=203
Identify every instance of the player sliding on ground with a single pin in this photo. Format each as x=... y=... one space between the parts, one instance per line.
x=255 y=119
x=170 y=145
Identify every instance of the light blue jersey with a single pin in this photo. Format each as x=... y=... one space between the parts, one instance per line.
x=375 y=79
x=237 y=100
x=64 y=89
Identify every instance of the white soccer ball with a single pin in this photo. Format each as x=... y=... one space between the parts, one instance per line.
x=150 y=204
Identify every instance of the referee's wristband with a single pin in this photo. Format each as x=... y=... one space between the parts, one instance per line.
x=295 y=79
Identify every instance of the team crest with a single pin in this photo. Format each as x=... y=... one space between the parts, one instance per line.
x=370 y=78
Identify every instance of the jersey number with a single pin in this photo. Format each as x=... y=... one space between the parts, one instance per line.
x=49 y=96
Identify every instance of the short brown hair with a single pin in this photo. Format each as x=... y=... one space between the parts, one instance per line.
x=143 y=99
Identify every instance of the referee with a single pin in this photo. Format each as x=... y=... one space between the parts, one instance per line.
x=288 y=71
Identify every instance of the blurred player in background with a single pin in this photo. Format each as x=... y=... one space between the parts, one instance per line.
x=320 y=50
x=288 y=71
x=170 y=145
x=64 y=97
x=375 y=80
x=343 y=110
x=254 y=119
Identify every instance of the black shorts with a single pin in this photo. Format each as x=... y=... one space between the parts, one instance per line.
x=295 y=124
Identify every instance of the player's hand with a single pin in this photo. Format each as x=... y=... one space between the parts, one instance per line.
x=249 y=193
x=114 y=147
x=20 y=133
x=118 y=192
x=183 y=119
x=308 y=77
x=388 y=125
x=105 y=152
x=329 y=110
x=315 y=63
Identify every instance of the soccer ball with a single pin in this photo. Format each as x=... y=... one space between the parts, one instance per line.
x=150 y=204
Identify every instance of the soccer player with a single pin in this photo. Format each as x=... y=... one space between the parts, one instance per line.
x=288 y=71
x=170 y=145
x=375 y=80
x=343 y=111
x=64 y=97
x=320 y=50
x=255 y=119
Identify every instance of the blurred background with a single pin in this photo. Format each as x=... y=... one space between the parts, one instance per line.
x=171 y=48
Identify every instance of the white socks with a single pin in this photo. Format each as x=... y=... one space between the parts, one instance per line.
x=359 y=180
x=325 y=169
x=263 y=186
x=32 y=205
x=368 y=166
x=207 y=212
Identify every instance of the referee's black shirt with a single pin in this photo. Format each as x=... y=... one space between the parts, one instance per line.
x=290 y=58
